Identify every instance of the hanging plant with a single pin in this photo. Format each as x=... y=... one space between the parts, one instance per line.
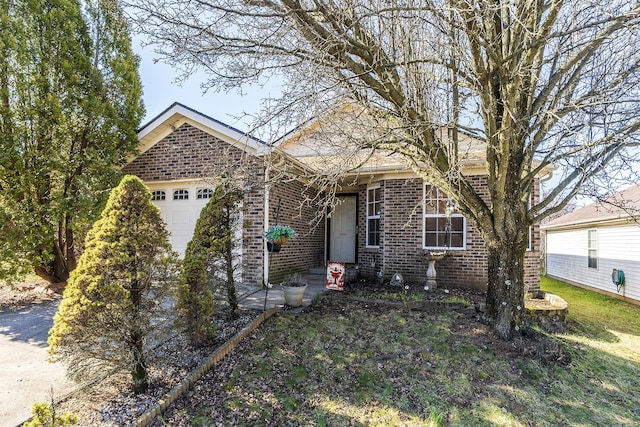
x=279 y=234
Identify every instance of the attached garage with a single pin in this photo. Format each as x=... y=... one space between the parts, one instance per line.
x=180 y=203
x=183 y=153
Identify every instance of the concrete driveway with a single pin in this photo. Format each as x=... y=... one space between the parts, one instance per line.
x=26 y=376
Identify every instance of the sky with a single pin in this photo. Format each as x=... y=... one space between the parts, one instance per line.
x=161 y=90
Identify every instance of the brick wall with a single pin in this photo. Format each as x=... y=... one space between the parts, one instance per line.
x=305 y=251
x=401 y=242
x=189 y=153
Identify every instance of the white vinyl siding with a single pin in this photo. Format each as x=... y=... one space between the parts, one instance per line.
x=567 y=253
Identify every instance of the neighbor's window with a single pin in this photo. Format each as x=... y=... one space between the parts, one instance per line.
x=442 y=231
x=592 y=246
x=204 y=193
x=181 y=194
x=158 y=195
x=374 y=207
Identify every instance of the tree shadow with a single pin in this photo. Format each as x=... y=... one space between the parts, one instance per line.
x=29 y=324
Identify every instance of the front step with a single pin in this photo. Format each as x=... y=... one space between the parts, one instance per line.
x=351 y=273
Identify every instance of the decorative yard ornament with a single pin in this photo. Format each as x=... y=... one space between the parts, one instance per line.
x=396 y=280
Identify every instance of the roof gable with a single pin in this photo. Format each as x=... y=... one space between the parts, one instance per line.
x=178 y=114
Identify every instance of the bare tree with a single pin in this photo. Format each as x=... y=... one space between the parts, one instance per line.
x=540 y=83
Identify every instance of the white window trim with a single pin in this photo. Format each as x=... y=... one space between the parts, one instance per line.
x=589 y=248
x=424 y=224
x=368 y=217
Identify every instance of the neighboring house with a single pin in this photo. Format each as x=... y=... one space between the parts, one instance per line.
x=385 y=219
x=583 y=247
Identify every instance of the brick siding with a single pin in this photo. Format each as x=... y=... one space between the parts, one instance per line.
x=189 y=153
x=401 y=241
x=306 y=250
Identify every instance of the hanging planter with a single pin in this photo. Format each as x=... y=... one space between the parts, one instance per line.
x=278 y=235
x=273 y=246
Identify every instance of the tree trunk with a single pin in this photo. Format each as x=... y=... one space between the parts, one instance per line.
x=232 y=296
x=139 y=365
x=57 y=271
x=139 y=370
x=505 y=293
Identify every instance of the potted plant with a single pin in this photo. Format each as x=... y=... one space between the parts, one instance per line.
x=278 y=235
x=293 y=289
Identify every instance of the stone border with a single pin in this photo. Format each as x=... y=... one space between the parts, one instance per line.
x=172 y=395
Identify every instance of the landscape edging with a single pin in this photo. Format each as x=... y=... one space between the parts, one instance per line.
x=172 y=395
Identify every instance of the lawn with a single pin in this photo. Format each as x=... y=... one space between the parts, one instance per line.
x=345 y=362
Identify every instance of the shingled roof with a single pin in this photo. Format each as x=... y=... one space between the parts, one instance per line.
x=622 y=206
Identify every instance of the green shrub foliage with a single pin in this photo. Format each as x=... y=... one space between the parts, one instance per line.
x=115 y=298
x=44 y=414
x=69 y=109
x=210 y=264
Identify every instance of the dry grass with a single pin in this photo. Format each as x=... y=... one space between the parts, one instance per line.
x=345 y=363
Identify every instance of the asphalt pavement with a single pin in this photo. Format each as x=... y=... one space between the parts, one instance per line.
x=26 y=376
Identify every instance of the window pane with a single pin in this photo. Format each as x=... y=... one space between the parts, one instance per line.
x=204 y=193
x=457 y=240
x=158 y=195
x=457 y=223
x=373 y=236
x=181 y=195
x=432 y=224
x=593 y=261
x=430 y=239
x=442 y=206
x=430 y=207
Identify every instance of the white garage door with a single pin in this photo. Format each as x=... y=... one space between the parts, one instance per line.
x=180 y=205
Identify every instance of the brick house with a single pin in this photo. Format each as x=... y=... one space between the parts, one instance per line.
x=384 y=220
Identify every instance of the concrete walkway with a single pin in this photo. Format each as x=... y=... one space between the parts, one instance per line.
x=275 y=297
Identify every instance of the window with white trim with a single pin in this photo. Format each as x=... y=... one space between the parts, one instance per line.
x=444 y=227
x=157 y=195
x=181 y=194
x=204 y=193
x=374 y=208
x=592 y=247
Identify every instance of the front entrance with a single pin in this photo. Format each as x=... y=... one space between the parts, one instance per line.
x=343 y=231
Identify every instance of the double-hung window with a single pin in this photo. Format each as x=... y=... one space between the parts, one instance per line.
x=444 y=227
x=592 y=247
x=374 y=208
